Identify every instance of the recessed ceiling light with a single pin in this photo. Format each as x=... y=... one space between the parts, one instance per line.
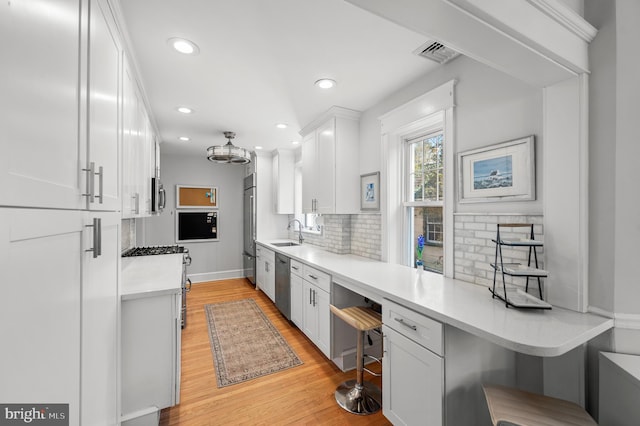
x=281 y=126
x=184 y=46
x=295 y=142
x=184 y=138
x=325 y=83
x=184 y=110
x=257 y=147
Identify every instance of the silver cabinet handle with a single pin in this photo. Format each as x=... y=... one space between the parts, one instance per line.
x=100 y=184
x=313 y=276
x=97 y=237
x=314 y=297
x=91 y=190
x=162 y=199
x=401 y=321
x=136 y=203
x=295 y=268
x=310 y=296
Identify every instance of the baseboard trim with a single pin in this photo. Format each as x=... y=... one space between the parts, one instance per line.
x=216 y=276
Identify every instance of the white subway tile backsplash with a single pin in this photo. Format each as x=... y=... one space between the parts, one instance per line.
x=474 y=250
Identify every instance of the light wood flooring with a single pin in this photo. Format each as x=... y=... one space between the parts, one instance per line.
x=301 y=395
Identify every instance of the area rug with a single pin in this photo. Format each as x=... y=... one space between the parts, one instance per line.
x=244 y=343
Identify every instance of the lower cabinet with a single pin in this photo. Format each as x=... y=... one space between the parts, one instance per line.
x=151 y=332
x=266 y=271
x=297 y=292
x=58 y=311
x=413 y=376
x=315 y=308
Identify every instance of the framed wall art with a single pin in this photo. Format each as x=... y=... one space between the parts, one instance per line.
x=370 y=192
x=501 y=172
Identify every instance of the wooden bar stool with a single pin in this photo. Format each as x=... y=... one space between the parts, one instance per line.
x=515 y=407
x=358 y=396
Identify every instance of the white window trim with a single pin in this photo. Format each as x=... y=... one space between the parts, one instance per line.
x=434 y=108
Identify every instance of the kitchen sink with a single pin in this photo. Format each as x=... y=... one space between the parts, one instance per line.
x=285 y=244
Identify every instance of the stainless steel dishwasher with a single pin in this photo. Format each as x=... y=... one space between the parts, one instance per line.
x=283 y=290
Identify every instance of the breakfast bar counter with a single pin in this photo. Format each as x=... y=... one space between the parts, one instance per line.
x=463 y=305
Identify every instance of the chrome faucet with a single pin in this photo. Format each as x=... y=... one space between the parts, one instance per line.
x=300 y=238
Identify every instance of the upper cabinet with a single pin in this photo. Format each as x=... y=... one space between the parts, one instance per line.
x=330 y=168
x=39 y=108
x=283 y=162
x=140 y=150
x=103 y=109
x=61 y=105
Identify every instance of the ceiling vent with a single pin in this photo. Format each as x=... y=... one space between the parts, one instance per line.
x=436 y=51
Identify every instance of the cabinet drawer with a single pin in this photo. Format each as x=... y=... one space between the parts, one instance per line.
x=319 y=278
x=417 y=327
x=296 y=267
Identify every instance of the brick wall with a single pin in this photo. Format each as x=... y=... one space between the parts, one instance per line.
x=474 y=250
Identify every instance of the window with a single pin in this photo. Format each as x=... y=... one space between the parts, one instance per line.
x=424 y=199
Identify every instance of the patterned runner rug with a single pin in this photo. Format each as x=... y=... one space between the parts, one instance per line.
x=244 y=343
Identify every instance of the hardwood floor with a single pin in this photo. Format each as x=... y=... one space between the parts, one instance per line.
x=301 y=395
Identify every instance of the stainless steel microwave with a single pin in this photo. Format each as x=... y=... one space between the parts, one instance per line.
x=196 y=226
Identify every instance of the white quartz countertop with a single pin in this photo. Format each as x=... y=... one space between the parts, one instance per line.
x=463 y=305
x=144 y=276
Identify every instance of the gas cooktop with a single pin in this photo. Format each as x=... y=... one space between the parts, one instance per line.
x=152 y=250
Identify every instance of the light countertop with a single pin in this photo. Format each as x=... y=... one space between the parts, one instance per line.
x=144 y=276
x=463 y=305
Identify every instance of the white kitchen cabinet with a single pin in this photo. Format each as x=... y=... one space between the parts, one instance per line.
x=330 y=173
x=100 y=338
x=59 y=312
x=140 y=150
x=104 y=74
x=266 y=271
x=39 y=108
x=412 y=382
x=283 y=181
x=413 y=367
x=40 y=308
x=297 y=292
x=151 y=332
x=315 y=308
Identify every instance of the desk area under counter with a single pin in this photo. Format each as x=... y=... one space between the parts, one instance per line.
x=481 y=340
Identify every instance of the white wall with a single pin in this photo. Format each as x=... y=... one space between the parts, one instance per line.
x=491 y=107
x=211 y=260
x=614 y=150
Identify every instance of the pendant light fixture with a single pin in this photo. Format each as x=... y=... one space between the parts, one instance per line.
x=228 y=153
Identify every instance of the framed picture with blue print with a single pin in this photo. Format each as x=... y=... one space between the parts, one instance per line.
x=370 y=192
x=501 y=172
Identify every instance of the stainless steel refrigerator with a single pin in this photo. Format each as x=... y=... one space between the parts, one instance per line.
x=249 y=254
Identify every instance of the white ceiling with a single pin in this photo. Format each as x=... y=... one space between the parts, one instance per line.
x=257 y=66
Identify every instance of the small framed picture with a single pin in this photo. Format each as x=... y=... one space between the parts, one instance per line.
x=370 y=192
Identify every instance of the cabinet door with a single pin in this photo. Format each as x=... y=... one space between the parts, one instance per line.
x=270 y=279
x=309 y=313
x=103 y=109
x=296 y=300
x=326 y=164
x=100 y=320
x=309 y=174
x=40 y=272
x=412 y=382
x=323 y=341
x=42 y=157
x=129 y=136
